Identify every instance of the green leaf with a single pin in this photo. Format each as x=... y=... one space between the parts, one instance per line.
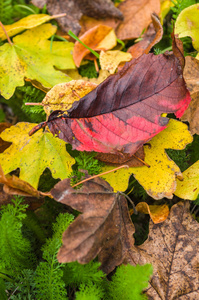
x=30 y=57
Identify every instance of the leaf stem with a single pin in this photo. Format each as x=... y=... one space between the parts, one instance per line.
x=33 y=103
x=101 y=174
x=77 y=39
x=132 y=203
x=7 y=36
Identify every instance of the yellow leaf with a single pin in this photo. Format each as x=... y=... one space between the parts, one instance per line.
x=189 y=187
x=30 y=57
x=158 y=213
x=165 y=8
x=62 y=95
x=34 y=154
x=160 y=179
x=25 y=23
x=187 y=24
x=110 y=60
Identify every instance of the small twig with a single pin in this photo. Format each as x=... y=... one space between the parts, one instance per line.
x=101 y=174
x=7 y=36
x=141 y=160
x=132 y=203
x=96 y=65
x=58 y=16
x=34 y=103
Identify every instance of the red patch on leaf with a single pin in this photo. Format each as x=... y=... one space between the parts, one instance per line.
x=124 y=111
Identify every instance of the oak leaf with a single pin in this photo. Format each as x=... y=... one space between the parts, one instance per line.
x=160 y=179
x=34 y=154
x=137 y=17
x=74 y=9
x=104 y=228
x=124 y=111
x=28 y=22
x=30 y=57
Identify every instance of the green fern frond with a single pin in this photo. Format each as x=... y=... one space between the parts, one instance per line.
x=3 y=295
x=48 y=279
x=179 y=5
x=15 y=249
x=6 y=11
x=89 y=292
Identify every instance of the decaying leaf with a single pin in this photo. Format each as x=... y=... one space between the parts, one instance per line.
x=110 y=60
x=74 y=9
x=34 y=154
x=171 y=248
x=137 y=17
x=62 y=95
x=187 y=24
x=160 y=179
x=151 y=37
x=189 y=187
x=30 y=56
x=100 y=37
x=15 y=186
x=4 y=144
x=104 y=228
x=158 y=213
x=124 y=111
x=191 y=75
x=28 y=22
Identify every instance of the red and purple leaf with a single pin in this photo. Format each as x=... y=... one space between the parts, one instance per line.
x=124 y=111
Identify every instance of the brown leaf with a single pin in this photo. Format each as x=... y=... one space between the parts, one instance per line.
x=137 y=16
x=131 y=161
x=104 y=229
x=100 y=37
x=172 y=249
x=75 y=9
x=15 y=186
x=191 y=75
x=158 y=213
x=151 y=37
x=3 y=144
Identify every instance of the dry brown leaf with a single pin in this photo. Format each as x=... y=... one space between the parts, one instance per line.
x=100 y=37
x=63 y=95
x=75 y=9
x=3 y=144
x=15 y=186
x=191 y=75
x=137 y=16
x=172 y=249
x=151 y=37
x=104 y=228
x=158 y=213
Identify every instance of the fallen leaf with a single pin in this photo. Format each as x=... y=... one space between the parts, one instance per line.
x=34 y=154
x=151 y=37
x=74 y=9
x=187 y=24
x=137 y=17
x=30 y=57
x=4 y=144
x=189 y=187
x=62 y=95
x=165 y=8
x=158 y=213
x=28 y=22
x=110 y=60
x=104 y=228
x=100 y=37
x=160 y=179
x=171 y=248
x=15 y=186
x=124 y=111
x=191 y=74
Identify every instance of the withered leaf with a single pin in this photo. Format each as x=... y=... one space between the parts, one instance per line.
x=172 y=249
x=124 y=111
x=104 y=229
x=74 y=9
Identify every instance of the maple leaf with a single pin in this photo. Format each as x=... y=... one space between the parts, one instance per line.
x=28 y=22
x=124 y=111
x=34 y=154
x=158 y=213
x=30 y=57
x=160 y=179
x=104 y=228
